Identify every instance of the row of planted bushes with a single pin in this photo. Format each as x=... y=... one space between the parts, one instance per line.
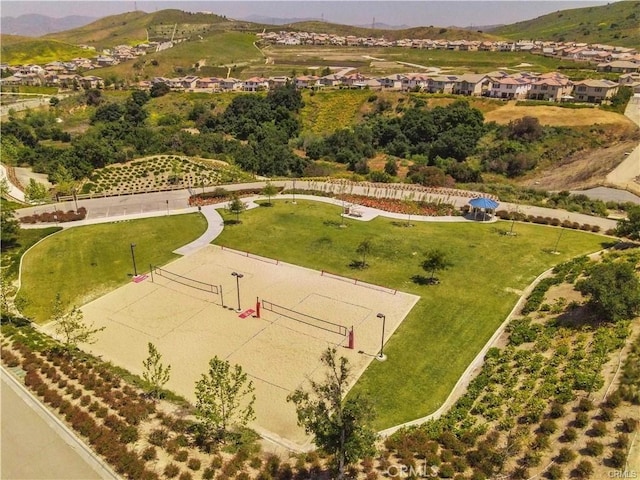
x=554 y=222
x=57 y=216
x=221 y=194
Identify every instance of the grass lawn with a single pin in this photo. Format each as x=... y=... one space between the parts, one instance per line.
x=451 y=322
x=11 y=254
x=83 y=263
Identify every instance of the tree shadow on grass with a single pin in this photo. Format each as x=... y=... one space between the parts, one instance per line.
x=359 y=264
x=333 y=223
x=578 y=317
x=232 y=222
x=422 y=280
x=402 y=224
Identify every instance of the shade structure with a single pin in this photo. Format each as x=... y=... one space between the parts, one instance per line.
x=484 y=203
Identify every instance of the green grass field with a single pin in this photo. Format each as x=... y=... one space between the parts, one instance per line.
x=451 y=322
x=38 y=51
x=83 y=263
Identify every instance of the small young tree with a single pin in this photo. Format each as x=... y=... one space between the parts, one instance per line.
x=269 y=191
x=35 y=191
x=225 y=399
x=155 y=373
x=340 y=427
x=9 y=228
x=364 y=249
x=72 y=328
x=236 y=206
x=630 y=227
x=434 y=261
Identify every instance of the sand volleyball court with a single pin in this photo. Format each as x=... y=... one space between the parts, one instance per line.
x=189 y=326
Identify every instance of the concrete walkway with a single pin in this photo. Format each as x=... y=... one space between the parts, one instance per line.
x=37 y=445
x=14 y=191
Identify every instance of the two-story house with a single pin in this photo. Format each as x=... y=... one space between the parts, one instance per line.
x=594 y=91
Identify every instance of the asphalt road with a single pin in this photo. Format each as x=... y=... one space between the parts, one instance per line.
x=36 y=445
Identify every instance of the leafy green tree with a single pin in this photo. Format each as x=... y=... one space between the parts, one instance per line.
x=339 y=426
x=236 y=206
x=364 y=249
x=4 y=187
x=613 y=289
x=155 y=374
x=54 y=101
x=391 y=167
x=435 y=260
x=35 y=191
x=269 y=191
x=225 y=399
x=9 y=228
x=159 y=89
x=630 y=227
x=71 y=327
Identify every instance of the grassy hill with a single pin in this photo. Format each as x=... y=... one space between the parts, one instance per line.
x=137 y=27
x=416 y=32
x=616 y=24
x=212 y=54
x=18 y=50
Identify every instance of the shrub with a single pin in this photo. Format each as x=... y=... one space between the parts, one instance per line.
x=158 y=437
x=446 y=470
x=129 y=434
x=618 y=458
x=557 y=410
x=584 y=469
x=569 y=435
x=585 y=405
x=208 y=473
x=185 y=476
x=554 y=472
x=581 y=420
x=593 y=448
x=171 y=470
x=622 y=441
x=565 y=455
x=599 y=429
x=181 y=456
x=548 y=426
x=629 y=425
x=606 y=414
x=194 y=464
x=149 y=453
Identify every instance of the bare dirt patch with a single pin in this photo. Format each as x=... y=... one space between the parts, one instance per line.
x=581 y=170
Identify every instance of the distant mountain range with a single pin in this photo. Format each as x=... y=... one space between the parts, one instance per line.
x=34 y=25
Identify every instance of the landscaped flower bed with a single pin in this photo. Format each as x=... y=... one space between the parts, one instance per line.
x=406 y=207
x=57 y=216
x=220 y=195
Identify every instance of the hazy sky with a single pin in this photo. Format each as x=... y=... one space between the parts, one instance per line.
x=392 y=12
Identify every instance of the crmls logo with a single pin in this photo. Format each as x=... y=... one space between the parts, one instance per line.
x=622 y=474
x=404 y=471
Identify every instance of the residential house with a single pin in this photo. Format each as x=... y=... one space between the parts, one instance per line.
x=442 y=84
x=414 y=81
x=354 y=80
x=594 y=91
x=230 y=84
x=472 y=84
x=510 y=88
x=629 y=79
x=331 y=80
x=210 y=83
x=255 y=84
x=392 y=82
x=551 y=89
x=106 y=61
x=307 y=81
x=619 y=66
x=90 y=82
x=188 y=82
x=278 y=81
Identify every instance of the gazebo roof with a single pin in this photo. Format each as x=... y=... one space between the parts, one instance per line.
x=483 y=202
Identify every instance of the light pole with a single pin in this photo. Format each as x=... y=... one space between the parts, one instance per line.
x=133 y=259
x=238 y=277
x=381 y=355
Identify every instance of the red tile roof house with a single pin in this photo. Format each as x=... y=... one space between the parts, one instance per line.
x=594 y=91
x=510 y=88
